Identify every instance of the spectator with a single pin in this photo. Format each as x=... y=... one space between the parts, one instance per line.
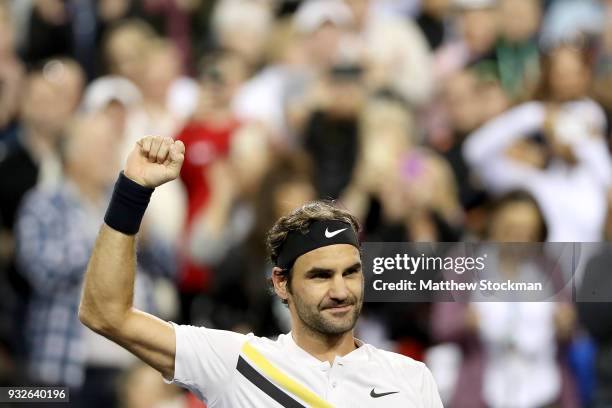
x=332 y=130
x=322 y=28
x=396 y=51
x=514 y=353
x=517 y=49
x=462 y=113
x=207 y=137
x=176 y=18
x=242 y=27
x=49 y=32
x=594 y=297
x=154 y=115
x=55 y=232
x=392 y=184
x=479 y=29
x=31 y=157
x=114 y=96
x=282 y=95
x=125 y=47
x=602 y=84
x=571 y=188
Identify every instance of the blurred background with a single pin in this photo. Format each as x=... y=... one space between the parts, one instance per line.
x=430 y=120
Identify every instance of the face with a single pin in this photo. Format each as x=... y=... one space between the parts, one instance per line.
x=520 y=19
x=569 y=76
x=516 y=222
x=326 y=292
x=221 y=80
x=479 y=29
x=462 y=102
x=70 y=80
x=162 y=69
x=125 y=53
x=93 y=151
x=322 y=44
x=43 y=106
x=493 y=100
x=291 y=195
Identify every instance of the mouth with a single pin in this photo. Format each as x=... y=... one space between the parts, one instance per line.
x=339 y=309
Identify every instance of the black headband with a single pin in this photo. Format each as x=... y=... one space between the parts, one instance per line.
x=320 y=233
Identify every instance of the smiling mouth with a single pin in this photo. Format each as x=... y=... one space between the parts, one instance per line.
x=339 y=309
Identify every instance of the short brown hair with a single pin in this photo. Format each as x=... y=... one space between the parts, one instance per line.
x=301 y=218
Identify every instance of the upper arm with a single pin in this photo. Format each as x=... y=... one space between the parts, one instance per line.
x=149 y=338
x=492 y=139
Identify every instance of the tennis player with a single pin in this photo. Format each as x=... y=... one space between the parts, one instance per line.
x=317 y=274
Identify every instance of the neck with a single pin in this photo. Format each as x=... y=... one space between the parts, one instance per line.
x=217 y=117
x=322 y=346
x=38 y=143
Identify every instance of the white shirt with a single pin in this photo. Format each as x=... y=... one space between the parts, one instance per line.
x=521 y=368
x=572 y=198
x=227 y=369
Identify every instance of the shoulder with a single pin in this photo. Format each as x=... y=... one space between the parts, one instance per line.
x=199 y=333
x=43 y=198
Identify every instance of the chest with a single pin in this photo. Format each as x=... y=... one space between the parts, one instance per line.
x=341 y=385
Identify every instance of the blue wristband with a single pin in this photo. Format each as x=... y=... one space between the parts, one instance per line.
x=127 y=205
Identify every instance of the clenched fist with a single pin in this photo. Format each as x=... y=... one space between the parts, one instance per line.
x=155 y=160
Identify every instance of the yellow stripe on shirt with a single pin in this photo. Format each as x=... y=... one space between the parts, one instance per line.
x=282 y=379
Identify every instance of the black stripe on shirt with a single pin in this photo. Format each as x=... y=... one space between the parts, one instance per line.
x=265 y=385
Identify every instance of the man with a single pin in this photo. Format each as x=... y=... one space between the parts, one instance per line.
x=55 y=232
x=318 y=275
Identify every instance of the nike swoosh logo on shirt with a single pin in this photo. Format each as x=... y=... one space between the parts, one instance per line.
x=373 y=394
x=333 y=233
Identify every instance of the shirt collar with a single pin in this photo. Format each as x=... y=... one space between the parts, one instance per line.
x=360 y=354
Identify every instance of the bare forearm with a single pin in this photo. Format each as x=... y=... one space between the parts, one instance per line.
x=109 y=282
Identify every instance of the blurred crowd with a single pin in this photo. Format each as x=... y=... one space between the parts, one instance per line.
x=430 y=120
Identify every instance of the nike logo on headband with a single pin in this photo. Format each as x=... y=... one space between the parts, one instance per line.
x=333 y=233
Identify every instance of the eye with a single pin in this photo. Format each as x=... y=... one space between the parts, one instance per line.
x=351 y=271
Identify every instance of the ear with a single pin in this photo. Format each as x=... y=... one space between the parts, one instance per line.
x=279 y=279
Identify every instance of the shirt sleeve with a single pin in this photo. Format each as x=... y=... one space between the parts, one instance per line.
x=493 y=138
x=484 y=150
x=205 y=360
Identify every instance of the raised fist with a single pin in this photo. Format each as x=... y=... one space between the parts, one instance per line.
x=155 y=160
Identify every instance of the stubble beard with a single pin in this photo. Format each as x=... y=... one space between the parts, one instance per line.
x=315 y=319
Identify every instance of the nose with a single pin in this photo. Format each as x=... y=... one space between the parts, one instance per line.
x=338 y=290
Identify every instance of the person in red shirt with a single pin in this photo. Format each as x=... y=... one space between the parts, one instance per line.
x=207 y=138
